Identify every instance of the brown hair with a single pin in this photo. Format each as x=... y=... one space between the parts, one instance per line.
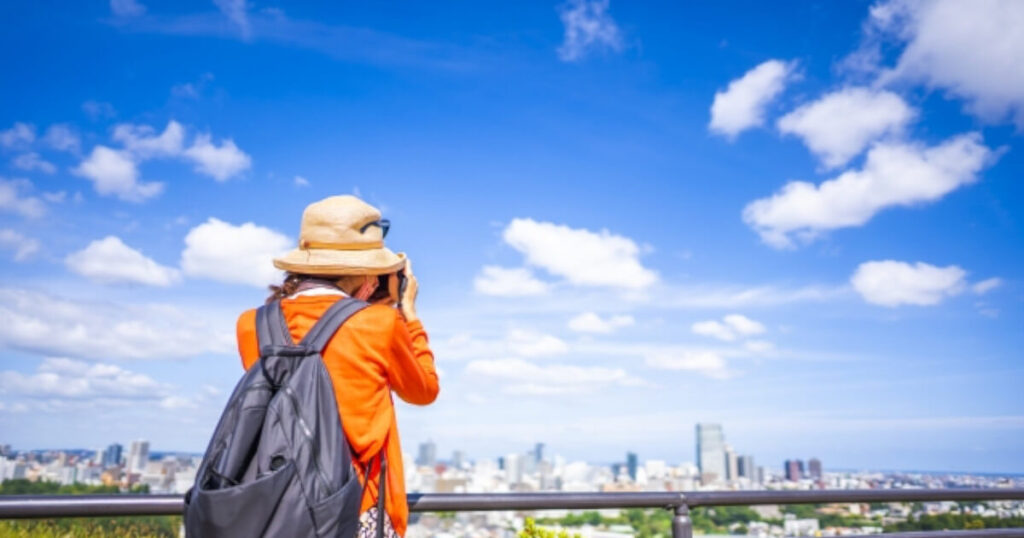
x=347 y=283
x=288 y=286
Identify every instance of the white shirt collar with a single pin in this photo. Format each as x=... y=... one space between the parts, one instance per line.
x=320 y=290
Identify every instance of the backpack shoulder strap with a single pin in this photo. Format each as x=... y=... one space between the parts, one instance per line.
x=331 y=321
x=271 y=328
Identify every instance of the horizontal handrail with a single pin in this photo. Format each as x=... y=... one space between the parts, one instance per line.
x=974 y=533
x=467 y=502
x=733 y=498
x=453 y=502
x=39 y=506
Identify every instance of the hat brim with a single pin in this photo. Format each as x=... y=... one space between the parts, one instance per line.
x=315 y=261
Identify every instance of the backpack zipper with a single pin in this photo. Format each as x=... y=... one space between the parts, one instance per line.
x=309 y=437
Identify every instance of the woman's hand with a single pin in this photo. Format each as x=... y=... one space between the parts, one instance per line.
x=412 y=287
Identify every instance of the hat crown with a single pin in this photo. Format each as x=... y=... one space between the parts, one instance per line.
x=336 y=239
x=340 y=222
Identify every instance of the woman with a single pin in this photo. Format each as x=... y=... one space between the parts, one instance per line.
x=380 y=349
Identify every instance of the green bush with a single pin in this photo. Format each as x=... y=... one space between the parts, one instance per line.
x=531 y=530
x=128 y=527
x=940 y=522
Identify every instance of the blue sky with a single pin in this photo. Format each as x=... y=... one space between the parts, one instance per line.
x=625 y=217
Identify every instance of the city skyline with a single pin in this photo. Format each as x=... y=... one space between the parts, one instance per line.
x=532 y=471
x=140 y=466
x=459 y=456
x=626 y=218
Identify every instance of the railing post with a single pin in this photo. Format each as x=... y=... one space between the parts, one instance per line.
x=682 y=526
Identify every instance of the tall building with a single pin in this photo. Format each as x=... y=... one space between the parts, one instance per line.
x=814 y=468
x=138 y=456
x=632 y=463
x=746 y=469
x=711 y=452
x=514 y=468
x=112 y=455
x=458 y=459
x=617 y=469
x=428 y=454
x=538 y=452
x=731 y=464
x=794 y=470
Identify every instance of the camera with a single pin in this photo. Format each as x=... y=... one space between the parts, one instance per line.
x=384 y=291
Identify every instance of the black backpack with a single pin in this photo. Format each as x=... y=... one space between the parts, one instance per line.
x=279 y=463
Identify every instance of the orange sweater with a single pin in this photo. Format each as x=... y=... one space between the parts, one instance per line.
x=375 y=352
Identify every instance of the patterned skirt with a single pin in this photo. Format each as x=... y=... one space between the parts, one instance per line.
x=368 y=525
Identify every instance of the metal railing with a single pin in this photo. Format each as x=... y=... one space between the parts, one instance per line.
x=679 y=503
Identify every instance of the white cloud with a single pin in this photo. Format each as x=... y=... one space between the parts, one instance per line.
x=590 y=322
x=517 y=341
x=973 y=50
x=588 y=27
x=221 y=163
x=192 y=90
x=840 y=125
x=31 y=161
x=23 y=247
x=19 y=407
x=893 y=175
x=18 y=136
x=186 y=89
x=114 y=172
x=518 y=282
x=743 y=325
x=71 y=379
x=893 y=283
x=126 y=8
x=759 y=346
x=98 y=110
x=176 y=403
x=580 y=256
x=301 y=181
x=731 y=327
x=204 y=398
x=56 y=197
x=11 y=199
x=706 y=363
x=524 y=377
x=237 y=12
x=742 y=105
x=533 y=344
x=142 y=142
x=236 y=254
x=109 y=260
x=718 y=296
x=987 y=285
x=52 y=325
x=714 y=329
x=117 y=170
x=62 y=138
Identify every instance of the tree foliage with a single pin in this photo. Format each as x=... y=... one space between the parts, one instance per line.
x=21 y=486
x=531 y=530
x=131 y=527
x=949 y=521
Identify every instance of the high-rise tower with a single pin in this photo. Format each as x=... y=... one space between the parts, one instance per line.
x=138 y=456
x=711 y=452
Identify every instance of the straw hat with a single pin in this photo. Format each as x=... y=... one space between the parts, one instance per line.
x=341 y=235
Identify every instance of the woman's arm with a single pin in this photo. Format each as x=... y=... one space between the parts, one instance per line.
x=411 y=373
